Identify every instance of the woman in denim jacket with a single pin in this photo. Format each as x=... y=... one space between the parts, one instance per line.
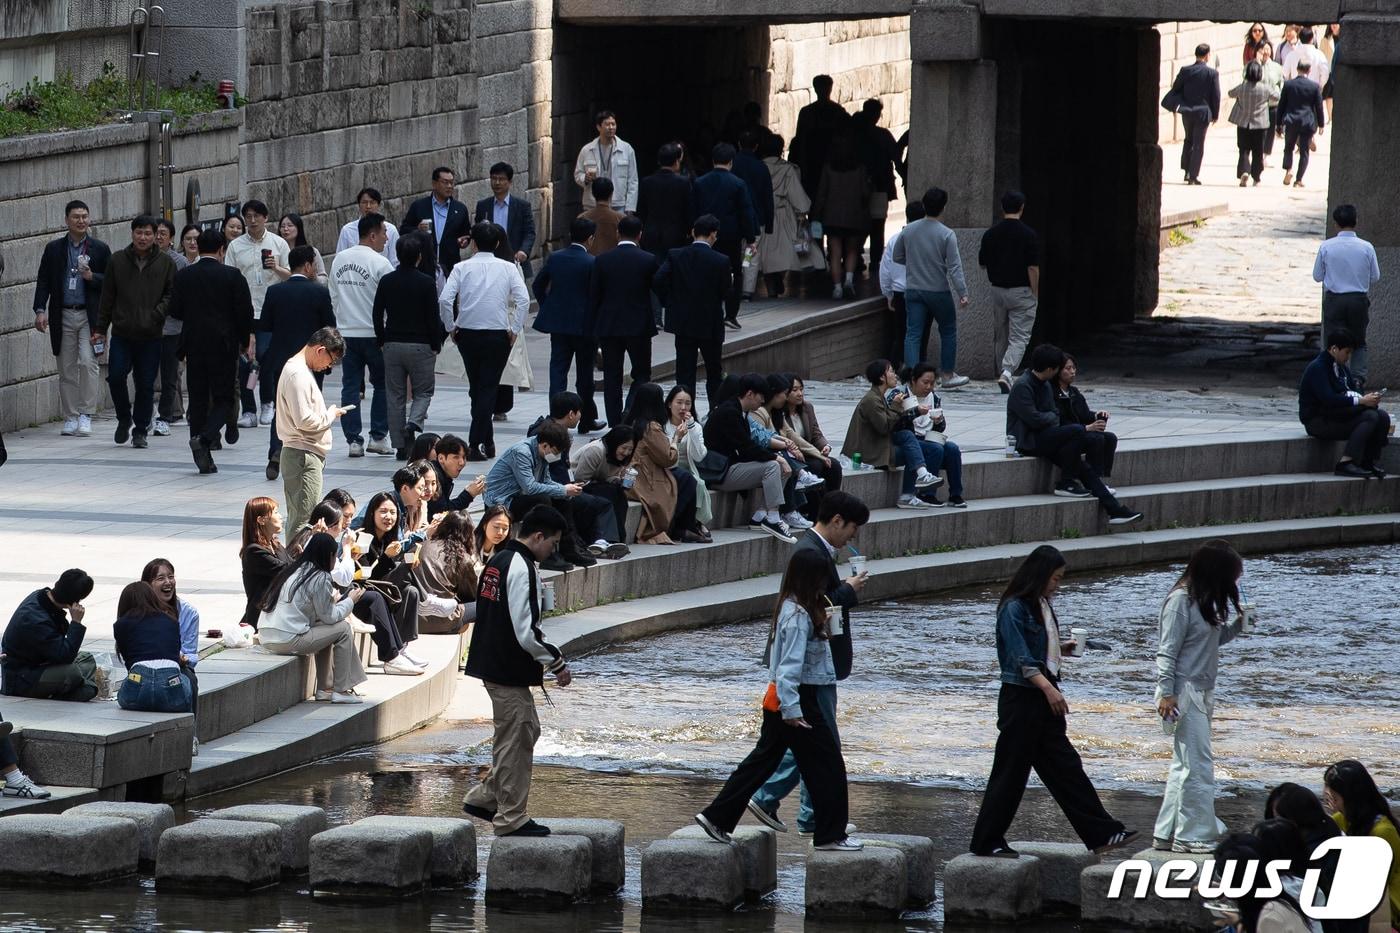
x=1195 y=622
x=1031 y=715
x=799 y=659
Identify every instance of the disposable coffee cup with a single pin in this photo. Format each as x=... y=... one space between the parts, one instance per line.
x=834 y=625
x=910 y=403
x=363 y=540
x=83 y=261
x=547 y=596
x=936 y=414
x=857 y=565
x=1081 y=637
x=426 y=226
x=1249 y=616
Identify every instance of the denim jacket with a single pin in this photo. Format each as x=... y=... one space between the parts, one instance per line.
x=797 y=657
x=1022 y=644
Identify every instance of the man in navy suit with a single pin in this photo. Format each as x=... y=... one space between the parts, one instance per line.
x=620 y=307
x=512 y=213
x=693 y=283
x=292 y=311
x=722 y=193
x=1300 y=116
x=561 y=288
x=1195 y=94
x=447 y=219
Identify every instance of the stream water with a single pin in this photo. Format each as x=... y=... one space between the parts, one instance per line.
x=650 y=728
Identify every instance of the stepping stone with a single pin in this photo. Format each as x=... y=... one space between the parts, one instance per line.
x=758 y=852
x=687 y=873
x=1149 y=912
x=219 y=854
x=298 y=825
x=919 y=860
x=870 y=884
x=67 y=850
x=548 y=868
x=453 y=860
x=151 y=820
x=1002 y=890
x=1061 y=864
x=371 y=860
x=608 y=838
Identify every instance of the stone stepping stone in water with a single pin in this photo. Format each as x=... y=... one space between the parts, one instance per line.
x=221 y=854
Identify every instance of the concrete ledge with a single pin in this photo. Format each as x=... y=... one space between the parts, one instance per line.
x=544 y=868
x=691 y=874
x=977 y=888
x=870 y=884
x=453 y=859
x=608 y=841
x=919 y=861
x=1149 y=912
x=65 y=850
x=151 y=819
x=218 y=855
x=758 y=854
x=371 y=860
x=296 y=825
x=1061 y=864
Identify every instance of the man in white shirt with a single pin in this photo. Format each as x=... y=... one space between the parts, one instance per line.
x=475 y=308
x=608 y=157
x=369 y=201
x=355 y=276
x=892 y=278
x=1305 y=51
x=261 y=256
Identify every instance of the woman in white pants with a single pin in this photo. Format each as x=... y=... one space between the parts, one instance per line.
x=1196 y=620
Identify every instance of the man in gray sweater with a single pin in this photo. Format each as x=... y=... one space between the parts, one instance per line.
x=933 y=272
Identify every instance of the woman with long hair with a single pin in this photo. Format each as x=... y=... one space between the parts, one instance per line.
x=799 y=425
x=189 y=243
x=1259 y=911
x=791 y=203
x=939 y=453
x=1253 y=39
x=1031 y=717
x=148 y=643
x=765 y=427
x=159 y=574
x=446 y=576
x=601 y=467
x=1100 y=443
x=302 y=616
x=1201 y=613
x=1300 y=806
x=799 y=659
x=842 y=205
x=688 y=438
x=424 y=447
x=1359 y=808
x=493 y=529
x=389 y=560
x=261 y=553
x=881 y=431
x=293 y=230
x=667 y=494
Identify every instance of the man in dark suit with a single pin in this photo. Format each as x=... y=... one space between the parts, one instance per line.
x=446 y=219
x=620 y=306
x=1300 y=116
x=817 y=124
x=216 y=306
x=754 y=173
x=510 y=212
x=562 y=291
x=66 y=295
x=663 y=204
x=1195 y=94
x=292 y=311
x=722 y=193
x=692 y=284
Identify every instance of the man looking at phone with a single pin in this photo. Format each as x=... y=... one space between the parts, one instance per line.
x=304 y=424
x=839 y=518
x=1332 y=408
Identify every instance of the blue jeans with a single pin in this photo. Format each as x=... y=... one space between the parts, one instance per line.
x=919 y=306
x=359 y=353
x=267 y=388
x=947 y=457
x=908 y=453
x=124 y=357
x=786 y=777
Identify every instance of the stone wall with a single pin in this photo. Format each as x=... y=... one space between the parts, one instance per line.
x=43 y=39
x=105 y=167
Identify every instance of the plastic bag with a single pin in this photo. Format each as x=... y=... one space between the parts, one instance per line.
x=240 y=637
x=109 y=674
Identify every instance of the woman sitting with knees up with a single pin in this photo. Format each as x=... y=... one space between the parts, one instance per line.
x=262 y=554
x=667 y=494
x=491 y=531
x=1360 y=809
x=1259 y=910
x=148 y=643
x=602 y=468
x=929 y=426
x=881 y=432
x=303 y=616
x=764 y=431
x=446 y=576
x=1099 y=442
x=1281 y=841
x=1300 y=806
x=384 y=559
x=799 y=425
x=689 y=440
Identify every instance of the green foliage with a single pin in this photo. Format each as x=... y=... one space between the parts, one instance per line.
x=1070 y=534
x=1177 y=237
x=48 y=106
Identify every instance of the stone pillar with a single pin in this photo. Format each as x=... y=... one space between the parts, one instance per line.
x=1365 y=151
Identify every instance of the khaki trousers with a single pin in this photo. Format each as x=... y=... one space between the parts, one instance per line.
x=1013 y=319
x=337 y=664
x=506 y=789
x=301 y=482
x=79 y=381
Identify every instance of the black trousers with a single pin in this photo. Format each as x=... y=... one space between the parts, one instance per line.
x=638 y=351
x=1269 y=133
x=211 y=400
x=1300 y=137
x=566 y=350
x=616 y=498
x=1032 y=736
x=1251 y=146
x=373 y=609
x=1065 y=446
x=819 y=761
x=1366 y=431
x=484 y=354
x=581 y=512
x=1099 y=448
x=734 y=249
x=1193 y=148
x=683 y=519
x=831 y=473
x=170 y=408
x=711 y=350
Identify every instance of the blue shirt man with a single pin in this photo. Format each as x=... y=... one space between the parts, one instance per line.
x=1347 y=268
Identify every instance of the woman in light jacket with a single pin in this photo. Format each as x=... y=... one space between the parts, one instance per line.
x=800 y=426
x=1031 y=718
x=776 y=253
x=1196 y=620
x=302 y=617
x=799 y=659
x=1251 y=118
x=689 y=441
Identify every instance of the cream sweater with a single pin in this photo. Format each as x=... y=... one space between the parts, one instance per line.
x=303 y=422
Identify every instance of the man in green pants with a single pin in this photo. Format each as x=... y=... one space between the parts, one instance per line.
x=304 y=424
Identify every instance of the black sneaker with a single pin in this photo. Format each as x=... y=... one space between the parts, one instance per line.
x=123 y=432
x=580 y=558
x=1122 y=516
x=711 y=830
x=138 y=440
x=1346 y=469
x=1377 y=472
x=1117 y=841
x=1073 y=490
x=401 y=453
x=778 y=529
x=957 y=502
x=588 y=427
x=231 y=433
x=555 y=562
x=274 y=468
x=481 y=813
x=527 y=829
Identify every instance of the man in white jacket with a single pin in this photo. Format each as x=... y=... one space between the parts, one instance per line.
x=608 y=157
x=355 y=276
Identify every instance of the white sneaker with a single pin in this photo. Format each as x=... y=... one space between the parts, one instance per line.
x=925 y=479
x=796 y=521
x=267 y=414
x=850 y=828
x=379 y=446
x=843 y=845
x=248 y=419
x=357 y=449
x=911 y=502
x=954 y=381
x=85 y=425
x=18 y=784
x=346 y=699
x=412 y=659
x=160 y=428
x=401 y=665
x=194 y=752
x=807 y=479
x=837 y=293
x=70 y=427
x=323 y=696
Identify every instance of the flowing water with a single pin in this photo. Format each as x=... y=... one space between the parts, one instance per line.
x=650 y=728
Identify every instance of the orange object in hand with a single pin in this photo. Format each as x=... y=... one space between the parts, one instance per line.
x=770 y=698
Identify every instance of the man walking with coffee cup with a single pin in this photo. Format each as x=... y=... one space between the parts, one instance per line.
x=608 y=157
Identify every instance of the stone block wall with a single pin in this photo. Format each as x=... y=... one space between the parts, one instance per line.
x=355 y=93
x=1226 y=41
x=43 y=39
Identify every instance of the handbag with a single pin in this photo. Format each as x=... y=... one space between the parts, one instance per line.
x=384 y=588
x=713 y=467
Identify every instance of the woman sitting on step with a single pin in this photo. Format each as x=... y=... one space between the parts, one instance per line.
x=446 y=576
x=799 y=425
x=148 y=643
x=765 y=423
x=262 y=554
x=384 y=559
x=881 y=432
x=667 y=493
x=940 y=454
x=687 y=437
x=601 y=466
x=493 y=529
x=1099 y=443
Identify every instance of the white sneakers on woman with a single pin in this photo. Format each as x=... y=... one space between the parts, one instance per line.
x=401 y=665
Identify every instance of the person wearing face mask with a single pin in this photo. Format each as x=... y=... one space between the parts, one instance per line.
x=304 y=422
